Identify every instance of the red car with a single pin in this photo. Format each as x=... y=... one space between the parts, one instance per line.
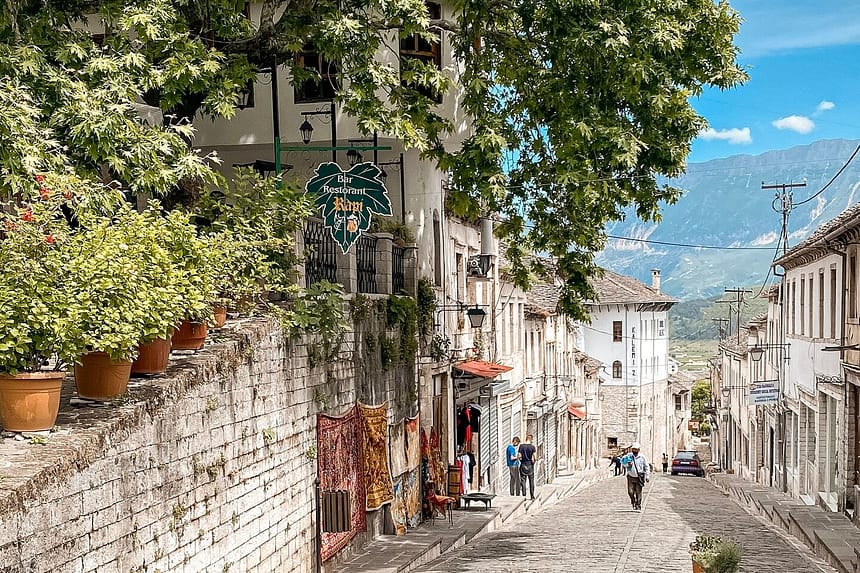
x=687 y=463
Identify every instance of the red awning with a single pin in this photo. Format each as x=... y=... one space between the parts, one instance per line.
x=576 y=412
x=483 y=369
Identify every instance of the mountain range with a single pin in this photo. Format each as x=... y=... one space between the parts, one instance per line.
x=723 y=205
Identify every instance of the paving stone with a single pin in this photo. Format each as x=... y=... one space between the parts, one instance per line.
x=595 y=531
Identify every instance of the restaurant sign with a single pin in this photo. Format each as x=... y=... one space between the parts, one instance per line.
x=347 y=199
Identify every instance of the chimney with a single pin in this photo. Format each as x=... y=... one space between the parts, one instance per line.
x=655 y=279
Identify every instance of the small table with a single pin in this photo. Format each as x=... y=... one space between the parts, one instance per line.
x=486 y=498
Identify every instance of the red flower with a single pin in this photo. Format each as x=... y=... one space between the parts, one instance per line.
x=40 y=178
x=49 y=239
x=44 y=193
x=67 y=194
x=10 y=226
x=27 y=216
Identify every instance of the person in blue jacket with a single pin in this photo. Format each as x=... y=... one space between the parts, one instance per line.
x=638 y=472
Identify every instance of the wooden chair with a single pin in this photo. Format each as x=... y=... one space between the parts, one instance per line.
x=439 y=503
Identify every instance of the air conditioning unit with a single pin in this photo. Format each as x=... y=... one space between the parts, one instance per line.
x=478 y=266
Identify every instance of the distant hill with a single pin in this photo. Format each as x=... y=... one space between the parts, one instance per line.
x=723 y=205
x=695 y=319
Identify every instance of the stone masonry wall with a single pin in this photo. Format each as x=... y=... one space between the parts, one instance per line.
x=208 y=468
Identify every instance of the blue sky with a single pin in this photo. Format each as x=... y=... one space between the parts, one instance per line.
x=803 y=58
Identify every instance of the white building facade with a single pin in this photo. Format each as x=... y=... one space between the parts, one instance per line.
x=629 y=335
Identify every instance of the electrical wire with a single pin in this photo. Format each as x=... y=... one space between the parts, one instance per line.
x=687 y=245
x=832 y=179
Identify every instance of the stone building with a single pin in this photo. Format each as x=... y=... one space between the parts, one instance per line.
x=786 y=392
x=629 y=335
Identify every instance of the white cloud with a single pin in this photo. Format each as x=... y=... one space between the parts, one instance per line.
x=824 y=106
x=797 y=123
x=734 y=135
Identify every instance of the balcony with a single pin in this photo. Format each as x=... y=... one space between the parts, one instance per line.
x=374 y=265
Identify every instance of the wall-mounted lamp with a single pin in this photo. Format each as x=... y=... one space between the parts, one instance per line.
x=354 y=157
x=307 y=129
x=475 y=314
x=726 y=390
x=757 y=351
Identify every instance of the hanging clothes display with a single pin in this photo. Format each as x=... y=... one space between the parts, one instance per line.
x=465 y=462
x=413 y=443
x=377 y=477
x=437 y=468
x=340 y=464
x=397 y=447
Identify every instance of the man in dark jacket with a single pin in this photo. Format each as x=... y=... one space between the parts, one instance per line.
x=527 y=465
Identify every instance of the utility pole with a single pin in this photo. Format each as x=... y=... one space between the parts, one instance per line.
x=782 y=204
x=721 y=326
x=739 y=300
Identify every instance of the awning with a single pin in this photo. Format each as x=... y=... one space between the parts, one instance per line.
x=483 y=369
x=576 y=412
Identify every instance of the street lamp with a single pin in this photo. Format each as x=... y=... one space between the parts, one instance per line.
x=353 y=157
x=475 y=313
x=757 y=351
x=476 y=316
x=307 y=129
x=384 y=175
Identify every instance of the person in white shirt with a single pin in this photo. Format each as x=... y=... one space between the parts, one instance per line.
x=638 y=473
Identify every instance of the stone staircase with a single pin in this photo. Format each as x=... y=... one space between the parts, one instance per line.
x=831 y=536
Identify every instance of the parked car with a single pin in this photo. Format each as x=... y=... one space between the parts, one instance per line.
x=686 y=462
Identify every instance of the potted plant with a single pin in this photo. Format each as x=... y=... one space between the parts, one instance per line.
x=125 y=294
x=251 y=239
x=191 y=259
x=712 y=554
x=36 y=310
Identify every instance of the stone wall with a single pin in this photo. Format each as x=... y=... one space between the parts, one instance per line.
x=210 y=467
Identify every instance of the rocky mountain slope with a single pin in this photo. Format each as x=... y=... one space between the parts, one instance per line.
x=723 y=205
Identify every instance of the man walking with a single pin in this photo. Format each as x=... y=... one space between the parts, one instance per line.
x=665 y=463
x=637 y=474
x=527 y=465
x=513 y=459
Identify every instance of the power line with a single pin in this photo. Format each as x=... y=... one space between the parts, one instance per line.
x=688 y=245
x=832 y=179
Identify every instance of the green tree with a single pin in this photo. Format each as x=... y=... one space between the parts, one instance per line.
x=700 y=398
x=576 y=108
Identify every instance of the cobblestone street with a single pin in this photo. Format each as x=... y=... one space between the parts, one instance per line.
x=596 y=531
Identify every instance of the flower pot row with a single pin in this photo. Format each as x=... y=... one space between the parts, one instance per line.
x=30 y=401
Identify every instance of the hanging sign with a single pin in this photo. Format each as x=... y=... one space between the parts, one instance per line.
x=347 y=199
x=764 y=392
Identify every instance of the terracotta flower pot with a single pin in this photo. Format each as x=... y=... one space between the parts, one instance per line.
x=220 y=316
x=152 y=358
x=100 y=378
x=30 y=401
x=190 y=335
x=697 y=568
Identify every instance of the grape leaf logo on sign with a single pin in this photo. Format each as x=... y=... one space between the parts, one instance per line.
x=347 y=199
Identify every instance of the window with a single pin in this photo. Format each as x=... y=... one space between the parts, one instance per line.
x=616 y=369
x=437 y=250
x=679 y=402
x=833 y=298
x=792 y=305
x=418 y=48
x=324 y=84
x=821 y=303
x=809 y=305
x=802 y=304
x=852 y=286
x=616 y=331
x=611 y=443
x=459 y=266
